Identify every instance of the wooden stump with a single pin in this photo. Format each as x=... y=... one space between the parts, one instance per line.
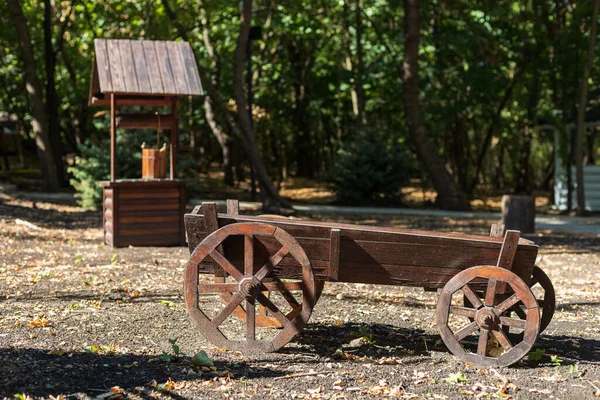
x=518 y=213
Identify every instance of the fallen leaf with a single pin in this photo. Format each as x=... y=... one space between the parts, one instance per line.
x=201 y=360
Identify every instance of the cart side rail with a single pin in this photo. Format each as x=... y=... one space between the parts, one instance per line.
x=360 y=254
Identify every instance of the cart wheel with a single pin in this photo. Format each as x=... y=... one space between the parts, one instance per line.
x=249 y=287
x=263 y=320
x=486 y=319
x=546 y=299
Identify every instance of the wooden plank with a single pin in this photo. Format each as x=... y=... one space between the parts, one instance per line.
x=509 y=249
x=108 y=202
x=113 y=138
x=116 y=71
x=152 y=240
x=147 y=207
x=108 y=239
x=174 y=138
x=150 y=214
x=164 y=67
x=191 y=68
x=126 y=232
x=155 y=101
x=153 y=219
x=116 y=210
x=178 y=68
x=334 y=255
x=141 y=68
x=145 y=121
x=507 y=255
x=128 y=66
x=103 y=66
x=152 y=67
x=149 y=200
x=149 y=225
x=363 y=232
x=182 y=204
x=168 y=193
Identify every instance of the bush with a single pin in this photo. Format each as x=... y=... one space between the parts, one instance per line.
x=371 y=169
x=93 y=165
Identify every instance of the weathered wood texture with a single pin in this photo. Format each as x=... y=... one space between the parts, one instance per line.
x=518 y=213
x=143 y=213
x=154 y=163
x=146 y=121
x=372 y=254
x=143 y=68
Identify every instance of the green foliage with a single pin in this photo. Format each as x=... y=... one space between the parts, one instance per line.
x=305 y=70
x=536 y=355
x=371 y=169
x=93 y=165
x=201 y=360
x=175 y=352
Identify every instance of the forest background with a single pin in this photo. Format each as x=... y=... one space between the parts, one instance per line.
x=368 y=96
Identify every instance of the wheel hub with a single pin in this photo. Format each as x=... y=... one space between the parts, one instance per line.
x=249 y=287
x=487 y=318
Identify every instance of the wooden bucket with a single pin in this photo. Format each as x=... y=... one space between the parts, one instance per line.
x=154 y=163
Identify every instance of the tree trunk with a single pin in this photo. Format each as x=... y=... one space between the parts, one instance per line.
x=52 y=104
x=224 y=140
x=359 y=73
x=581 y=111
x=39 y=123
x=270 y=196
x=449 y=196
x=518 y=212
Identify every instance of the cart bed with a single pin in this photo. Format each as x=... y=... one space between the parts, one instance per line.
x=367 y=254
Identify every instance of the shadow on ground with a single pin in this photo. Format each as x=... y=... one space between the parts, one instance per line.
x=391 y=341
x=37 y=373
x=52 y=219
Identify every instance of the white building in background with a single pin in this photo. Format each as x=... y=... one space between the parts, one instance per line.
x=591 y=177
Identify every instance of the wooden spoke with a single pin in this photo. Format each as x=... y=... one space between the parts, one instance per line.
x=235 y=301
x=466 y=331
x=508 y=303
x=473 y=298
x=482 y=342
x=502 y=339
x=295 y=312
x=273 y=261
x=490 y=293
x=520 y=312
x=285 y=287
x=226 y=265
x=250 y=320
x=273 y=309
x=217 y=287
x=248 y=255
x=463 y=311
x=514 y=322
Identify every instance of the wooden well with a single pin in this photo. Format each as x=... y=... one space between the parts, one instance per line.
x=150 y=74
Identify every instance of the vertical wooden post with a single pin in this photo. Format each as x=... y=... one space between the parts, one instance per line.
x=113 y=138
x=174 y=137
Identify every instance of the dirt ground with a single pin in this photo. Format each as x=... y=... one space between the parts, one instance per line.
x=79 y=319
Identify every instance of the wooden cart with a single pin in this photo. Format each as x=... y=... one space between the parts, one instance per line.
x=487 y=313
